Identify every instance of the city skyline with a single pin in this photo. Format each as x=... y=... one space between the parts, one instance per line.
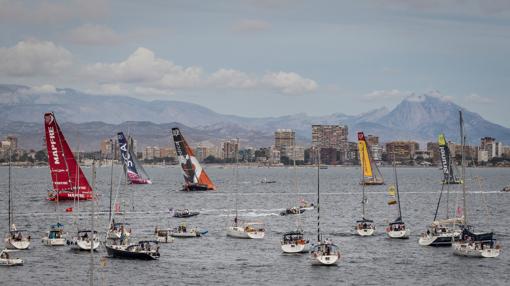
x=370 y=54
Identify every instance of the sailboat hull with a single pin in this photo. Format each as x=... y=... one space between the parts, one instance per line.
x=399 y=234
x=196 y=188
x=471 y=250
x=64 y=196
x=438 y=240
x=295 y=247
x=237 y=232
x=16 y=244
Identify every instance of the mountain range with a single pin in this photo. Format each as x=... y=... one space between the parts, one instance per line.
x=87 y=119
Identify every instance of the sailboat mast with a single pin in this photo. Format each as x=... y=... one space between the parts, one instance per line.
x=396 y=186
x=318 y=196
x=111 y=182
x=463 y=143
x=10 y=195
x=298 y=218
x=92 y=225
x=363 y=182
x=236 y=182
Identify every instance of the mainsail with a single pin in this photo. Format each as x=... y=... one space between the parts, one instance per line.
x=135 y=176
x=446 y=162
x=371 y=174
x=69 y=182
x=195 y=177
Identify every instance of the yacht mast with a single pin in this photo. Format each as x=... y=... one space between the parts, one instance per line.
x=463 y=143
x=396 y=186
x=318 y=195
x=363 y=181
x=92 y=236
x=10 y=195
x=236 y=179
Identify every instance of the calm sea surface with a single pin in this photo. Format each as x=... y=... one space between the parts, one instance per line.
x=217 y=260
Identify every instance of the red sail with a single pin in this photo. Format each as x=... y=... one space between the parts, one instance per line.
x=69 y=182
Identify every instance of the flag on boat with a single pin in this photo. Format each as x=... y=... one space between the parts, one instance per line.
x=392 y=202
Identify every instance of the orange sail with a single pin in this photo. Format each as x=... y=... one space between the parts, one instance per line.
x=195 y=177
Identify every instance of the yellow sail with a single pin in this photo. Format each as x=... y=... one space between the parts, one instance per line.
x=363 y=155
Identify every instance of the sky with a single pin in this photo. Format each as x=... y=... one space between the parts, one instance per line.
x=265 y=58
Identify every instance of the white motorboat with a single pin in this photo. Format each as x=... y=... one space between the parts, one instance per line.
x=183 y=231
x=294 y=242
x=85 y=240
x=250 y=230
x=55 y=236
x=163 y=235
x=7 y=260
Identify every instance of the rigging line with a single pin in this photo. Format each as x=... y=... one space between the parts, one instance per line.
x=488 y=214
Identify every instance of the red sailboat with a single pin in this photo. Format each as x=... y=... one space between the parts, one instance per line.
x=69 y=182
x=195 y=178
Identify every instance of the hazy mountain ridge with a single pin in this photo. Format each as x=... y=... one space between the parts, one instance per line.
x=95 y=117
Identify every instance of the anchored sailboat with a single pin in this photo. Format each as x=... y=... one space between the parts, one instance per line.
x=396 y=229
x=195 y=177
x=135 y=172
x=69 y=182
x=364 y=227
x=86 y=239
x=15 y=238
x=446 y=162
x=325 y=252
x=470 y=243
x=253 y=230
x=371 y=173
x=294 y=241
x=441 y=231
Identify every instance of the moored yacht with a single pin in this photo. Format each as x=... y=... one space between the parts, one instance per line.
x=294 y=242
x=55 y=236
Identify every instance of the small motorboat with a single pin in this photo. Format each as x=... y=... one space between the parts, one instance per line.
x=506 y=189
x=17 y=239
x=266 y=181
x=184 y=213
x=183 y=231
x=55 y=236
x=251 y=230
x=7 y=260
x=294 y=242
x=306 y=205
x=84 y=240
x=143 y=250
x=163 y=235
x=292 y=211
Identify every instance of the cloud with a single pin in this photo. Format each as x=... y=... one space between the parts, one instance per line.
x=289 y=82
x=143 y=69
x=96 y=35
x=43 y=89
x=251 y=25
x=34 y=58
x=475 y=98
x=387 y=94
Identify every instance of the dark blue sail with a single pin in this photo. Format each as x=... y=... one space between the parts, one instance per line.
x=129 y=161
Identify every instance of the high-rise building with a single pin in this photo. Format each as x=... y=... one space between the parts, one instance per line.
x=109 y=149
x=486 y=141
x=201 y=153
x=331 y=136
x=433 y=148
x=402 y=150
x=230 y=148
x=284 y=139
x=372 y=140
